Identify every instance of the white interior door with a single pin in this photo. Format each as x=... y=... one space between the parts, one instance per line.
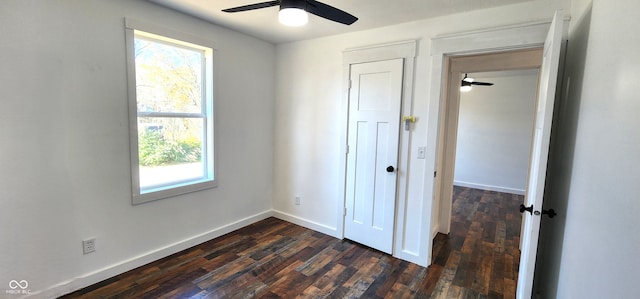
x=375 y=99
x=539 y=155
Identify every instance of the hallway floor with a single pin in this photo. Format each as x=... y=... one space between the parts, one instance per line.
x=480 y=256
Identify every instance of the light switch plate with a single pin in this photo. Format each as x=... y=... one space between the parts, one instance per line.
x=421 y=152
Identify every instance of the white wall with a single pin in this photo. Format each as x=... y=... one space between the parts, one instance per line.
x=64 y=151
x=591 y=249
x=494 y=131
x=309 y=118
x=62 y=69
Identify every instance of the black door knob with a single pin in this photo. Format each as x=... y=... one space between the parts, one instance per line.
x=523 y=208
x=550 y=212
x=390 y=169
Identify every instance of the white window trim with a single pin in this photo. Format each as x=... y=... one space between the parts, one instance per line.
x=211 y=70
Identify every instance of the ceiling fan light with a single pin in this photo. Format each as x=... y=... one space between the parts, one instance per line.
x=465 y=88
x=294 y=17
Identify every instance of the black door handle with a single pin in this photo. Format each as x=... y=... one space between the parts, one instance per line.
x=529 y=209
x=550 y=212
x=390 y=169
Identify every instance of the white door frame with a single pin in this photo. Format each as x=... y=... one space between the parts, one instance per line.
x=405 y=50
x=485 y=41
x=530 y=58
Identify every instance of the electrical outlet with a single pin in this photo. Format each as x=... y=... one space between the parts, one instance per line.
x=297 y=200
x=89 y=245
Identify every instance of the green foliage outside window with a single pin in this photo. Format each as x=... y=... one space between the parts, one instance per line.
x=154 y=149
x=168 y=80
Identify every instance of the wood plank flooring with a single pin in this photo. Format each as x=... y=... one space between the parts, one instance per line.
x=480 y=256
x=276 y=259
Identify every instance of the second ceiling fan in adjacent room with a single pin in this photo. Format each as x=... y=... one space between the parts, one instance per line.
x=467 y=82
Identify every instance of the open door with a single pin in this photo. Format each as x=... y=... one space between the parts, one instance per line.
x=539 y=155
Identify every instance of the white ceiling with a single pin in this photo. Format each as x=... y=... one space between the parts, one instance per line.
x=263 y=23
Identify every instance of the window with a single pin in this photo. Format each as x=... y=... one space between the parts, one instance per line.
x=170 y=79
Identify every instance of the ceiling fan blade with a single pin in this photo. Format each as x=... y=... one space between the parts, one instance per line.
x=252 y=6
x=481 y=83
x=329 y=12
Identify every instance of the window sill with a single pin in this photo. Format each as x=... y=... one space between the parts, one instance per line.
x=173 y=190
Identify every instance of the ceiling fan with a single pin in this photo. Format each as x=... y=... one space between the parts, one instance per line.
x=294 y=12
x=465 y=84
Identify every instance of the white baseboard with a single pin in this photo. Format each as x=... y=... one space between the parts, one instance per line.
x=124 y=266
x=435 y=231
x=327 y=230
x=489 y=187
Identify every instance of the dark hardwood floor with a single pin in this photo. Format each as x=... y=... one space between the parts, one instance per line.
x=480 y=256
x=276 y=259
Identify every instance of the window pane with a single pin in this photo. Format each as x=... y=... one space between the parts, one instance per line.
x=168 y=78
x=171 y=93
x=170 y=150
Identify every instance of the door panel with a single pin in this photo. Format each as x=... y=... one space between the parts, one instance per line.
x=374 y=127
x=539 y=155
